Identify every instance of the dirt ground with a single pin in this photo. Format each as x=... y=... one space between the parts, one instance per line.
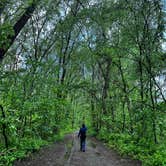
x=67 y=153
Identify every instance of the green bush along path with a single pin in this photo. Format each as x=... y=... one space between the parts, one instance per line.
x=68 y=62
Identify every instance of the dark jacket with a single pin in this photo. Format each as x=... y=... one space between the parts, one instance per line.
x=82 y=133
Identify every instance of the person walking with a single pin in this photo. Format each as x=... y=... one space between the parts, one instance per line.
x=82 y=136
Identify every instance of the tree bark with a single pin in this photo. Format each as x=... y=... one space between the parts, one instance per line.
x=126 y=96
x=4 y=127
x=17 y=28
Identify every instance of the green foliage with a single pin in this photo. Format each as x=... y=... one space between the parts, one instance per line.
x=150 y=154
x=23 y=149
x=26 y=146
x=6 y=30
x=81 y=62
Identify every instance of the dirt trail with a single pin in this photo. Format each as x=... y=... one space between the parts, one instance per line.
x=66 y=153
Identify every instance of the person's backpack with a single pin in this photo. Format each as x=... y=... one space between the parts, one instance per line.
x=83 y=132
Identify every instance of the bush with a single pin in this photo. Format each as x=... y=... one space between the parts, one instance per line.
x=25 y=147
x=150 y=154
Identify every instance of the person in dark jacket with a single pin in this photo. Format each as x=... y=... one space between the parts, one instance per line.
x=82 y=136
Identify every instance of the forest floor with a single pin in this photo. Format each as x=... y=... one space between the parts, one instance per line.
x=67 y=153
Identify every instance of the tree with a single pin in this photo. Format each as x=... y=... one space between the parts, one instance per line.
x=17 y=28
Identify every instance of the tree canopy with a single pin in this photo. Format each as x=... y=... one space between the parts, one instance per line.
x=101 y=62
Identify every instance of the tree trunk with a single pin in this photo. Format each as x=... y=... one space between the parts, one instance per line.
x=127 y=99
x=124 y=117
x=4 y=127
x=142 y=96
x=17 y=28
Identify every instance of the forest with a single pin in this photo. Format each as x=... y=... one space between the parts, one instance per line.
x=101 y=62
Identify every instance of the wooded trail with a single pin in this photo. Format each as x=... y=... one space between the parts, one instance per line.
x=66 y=153
x=64 y=63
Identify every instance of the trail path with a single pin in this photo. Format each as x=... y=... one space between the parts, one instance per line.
x=66 y=153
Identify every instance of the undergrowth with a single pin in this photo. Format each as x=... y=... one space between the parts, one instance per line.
x=150 y=154
x=25 y=147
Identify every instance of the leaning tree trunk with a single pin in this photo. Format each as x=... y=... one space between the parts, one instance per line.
x=17 y=28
